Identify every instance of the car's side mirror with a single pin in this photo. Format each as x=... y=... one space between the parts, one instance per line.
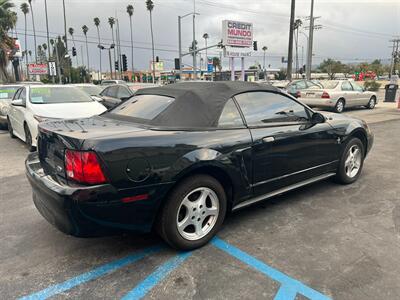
x=317 y=118
x=17 y=102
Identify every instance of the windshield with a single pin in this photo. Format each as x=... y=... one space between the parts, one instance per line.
x=7 y=92
x=53 y=95
x=144 y=108
x=329 y=84
x=91 y=90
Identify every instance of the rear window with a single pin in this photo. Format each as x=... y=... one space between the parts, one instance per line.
x=7 y=92
x=329 y=84
x=53 y=95
x=143 y=107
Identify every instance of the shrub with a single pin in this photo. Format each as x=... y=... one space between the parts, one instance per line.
x=372 y=85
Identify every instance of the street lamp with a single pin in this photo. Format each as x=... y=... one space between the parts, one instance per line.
x=205 y=37
x=112 y=46
x=180 y=42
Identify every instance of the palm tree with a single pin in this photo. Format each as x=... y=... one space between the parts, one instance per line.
x=7 y=22
x=129 y=10
x=205 y=37
x=111 y=21
x=150 y=7
x=216 y=64
x=33 y=26
x=71 y=33
x=51 y=47
x=97 y=24
x=25 y=11
x=44 y=46
x=85 y=30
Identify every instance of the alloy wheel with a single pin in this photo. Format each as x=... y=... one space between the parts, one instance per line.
x=340 y=106
x=353 y=161
x=197 y=213
x=371 y=103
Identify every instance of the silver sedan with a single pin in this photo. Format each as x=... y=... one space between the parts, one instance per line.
x=338 y=95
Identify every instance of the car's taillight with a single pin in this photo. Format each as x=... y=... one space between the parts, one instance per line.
x=83 y=167
x=298 y=94
x=325 y=95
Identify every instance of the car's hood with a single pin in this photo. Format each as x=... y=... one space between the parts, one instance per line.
x=341 y=119
x=68 y=110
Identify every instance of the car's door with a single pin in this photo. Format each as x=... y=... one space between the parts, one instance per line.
x=349 y=94
x=361 y=97
x=287 y=147
x=18 y=113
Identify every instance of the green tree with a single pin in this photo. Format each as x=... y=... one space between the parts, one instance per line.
x=150 y=7
x=97 y=24
x=33 y=27
x=7 y=23
x=129 y=10
x=85 y=30
x=331 y=67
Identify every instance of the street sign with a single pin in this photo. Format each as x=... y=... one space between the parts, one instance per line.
x=237 y=34
x=236 y=52
x=210 y=65
x=158 y=66
x=37 y=69
x=52 y=68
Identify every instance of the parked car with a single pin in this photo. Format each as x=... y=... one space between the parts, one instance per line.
x=338 y=95
x=34 y=104
x=7 y=92
x=294 y=87
x=115 y=94
x=92 y=90
x=112 y=81
x=178 y=158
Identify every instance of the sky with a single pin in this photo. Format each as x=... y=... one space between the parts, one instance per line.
x=352 y=31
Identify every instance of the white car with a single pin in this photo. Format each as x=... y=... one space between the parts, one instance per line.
x=34 y=104
x=338 y=95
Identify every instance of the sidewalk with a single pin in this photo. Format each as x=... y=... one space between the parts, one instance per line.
x=384 y=111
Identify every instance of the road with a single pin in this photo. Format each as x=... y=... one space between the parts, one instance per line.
x=322 y=241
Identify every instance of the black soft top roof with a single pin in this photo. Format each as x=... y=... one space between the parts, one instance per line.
x=198 y=104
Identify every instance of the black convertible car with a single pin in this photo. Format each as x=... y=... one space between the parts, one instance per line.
x=178 y=158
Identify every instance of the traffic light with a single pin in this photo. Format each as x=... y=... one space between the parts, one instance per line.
x=157 y=59
x=177 y=64
x=124 y=63
x=116 y=66
x=255 y=48
x=73 y=51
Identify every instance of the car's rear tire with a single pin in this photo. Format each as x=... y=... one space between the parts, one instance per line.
x=371 y=103
x=193 y=213
x=351 y=162
x=28 y=138
x=339 y=106
x=10 y=129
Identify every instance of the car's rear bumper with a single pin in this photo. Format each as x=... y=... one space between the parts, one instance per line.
x=91 y=210
x=318 y=102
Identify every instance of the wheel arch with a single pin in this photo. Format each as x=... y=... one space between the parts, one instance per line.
x=360 y=134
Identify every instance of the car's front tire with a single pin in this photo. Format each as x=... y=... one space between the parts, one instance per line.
x=10 y=129
x=193 y=213
x=351 y=162
x=371 y=103
x=28 y=139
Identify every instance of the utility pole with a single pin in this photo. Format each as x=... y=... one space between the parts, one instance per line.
x=65 y=27
x=119 y=48
x=194 y=42
x=290 y=50
x=180 y=47
x=310 y=42
x=395 y=56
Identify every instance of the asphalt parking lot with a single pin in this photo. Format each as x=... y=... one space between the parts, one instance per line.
x=324 y=241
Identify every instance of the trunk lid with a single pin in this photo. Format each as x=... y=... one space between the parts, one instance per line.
x=311 y=93
x=56 y=136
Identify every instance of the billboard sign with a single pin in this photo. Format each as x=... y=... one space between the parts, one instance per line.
x=237 y=34
x=210 y=65
x=232 y=52
x=37 y=69
x=158 y=66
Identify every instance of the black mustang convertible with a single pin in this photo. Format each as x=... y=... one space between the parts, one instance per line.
x=179 y=158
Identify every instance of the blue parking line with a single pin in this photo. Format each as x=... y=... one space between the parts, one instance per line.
x=154 y=278
x=289 y=286
x=93 y=274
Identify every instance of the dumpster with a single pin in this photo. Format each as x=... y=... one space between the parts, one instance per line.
x=390 y=92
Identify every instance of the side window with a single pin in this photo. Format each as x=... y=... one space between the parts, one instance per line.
x=113 y=91
x=260 y=108
x=123 y=92
x=357 y=87
x=301 y=85
x=230 y=116
x=346 y=86
x=104 y=92
x=17 y=94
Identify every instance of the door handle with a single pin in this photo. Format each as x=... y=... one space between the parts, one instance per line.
x=268 y=139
